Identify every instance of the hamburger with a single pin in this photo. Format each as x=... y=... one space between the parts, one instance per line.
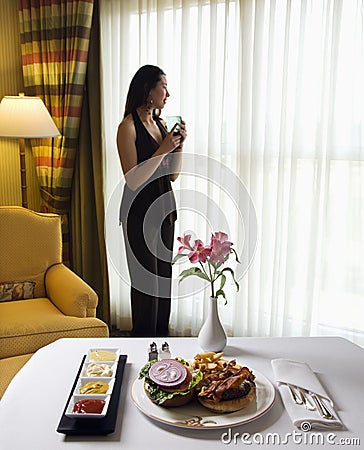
x=170 y=382
x=227 y=390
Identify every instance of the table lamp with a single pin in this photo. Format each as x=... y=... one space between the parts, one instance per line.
x=25 y=117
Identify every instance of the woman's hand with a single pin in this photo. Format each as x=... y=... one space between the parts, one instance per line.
x=170 y=142
x=182 y=132
x=176 y=161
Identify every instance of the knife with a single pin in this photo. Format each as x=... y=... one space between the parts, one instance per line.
x=321 y=407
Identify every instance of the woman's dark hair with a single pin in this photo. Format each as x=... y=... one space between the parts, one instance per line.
x=143 y=81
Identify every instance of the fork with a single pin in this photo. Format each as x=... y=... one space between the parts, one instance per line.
x=321 y=407
x=300 y=397
x=307 y=400
x=310 y=400
x=295 y=397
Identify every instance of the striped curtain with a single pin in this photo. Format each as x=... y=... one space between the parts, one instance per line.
x=54 y=36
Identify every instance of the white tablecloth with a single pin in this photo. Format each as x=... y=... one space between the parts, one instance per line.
x=31 y=407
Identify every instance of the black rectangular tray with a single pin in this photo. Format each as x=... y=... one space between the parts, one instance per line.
x=94 y=427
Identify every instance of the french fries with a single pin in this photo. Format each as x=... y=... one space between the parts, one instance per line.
x=210 y=362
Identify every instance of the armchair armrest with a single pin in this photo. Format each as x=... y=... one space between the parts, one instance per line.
x=69 y=292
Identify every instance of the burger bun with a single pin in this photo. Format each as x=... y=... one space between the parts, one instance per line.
x=226 y=406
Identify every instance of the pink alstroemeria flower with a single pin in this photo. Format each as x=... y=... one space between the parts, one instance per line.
x=185 y=241
x=220 y=246
x=220 y=236
x=199 y=253
x=213 y=256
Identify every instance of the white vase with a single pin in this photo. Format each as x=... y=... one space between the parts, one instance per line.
x=212 y=336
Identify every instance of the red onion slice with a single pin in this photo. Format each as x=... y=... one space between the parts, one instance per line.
x=168 y=372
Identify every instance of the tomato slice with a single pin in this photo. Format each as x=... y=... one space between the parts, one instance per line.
x=182 y=387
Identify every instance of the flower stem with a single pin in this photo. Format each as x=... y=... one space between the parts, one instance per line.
x=211 y=282
x=203 y=269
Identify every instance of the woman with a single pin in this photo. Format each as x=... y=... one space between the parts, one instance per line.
x=150 y=157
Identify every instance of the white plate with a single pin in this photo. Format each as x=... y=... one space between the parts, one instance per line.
x=194 y=415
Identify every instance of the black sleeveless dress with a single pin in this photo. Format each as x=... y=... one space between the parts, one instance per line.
x=157 y=191
x=148 y=215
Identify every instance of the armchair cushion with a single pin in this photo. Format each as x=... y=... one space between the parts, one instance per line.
x=16 y=290
x=27 y=325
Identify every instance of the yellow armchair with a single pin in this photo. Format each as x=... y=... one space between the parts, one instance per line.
x=41 y=300
x=69 y=293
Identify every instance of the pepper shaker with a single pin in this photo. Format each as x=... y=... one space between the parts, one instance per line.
x=153 y=352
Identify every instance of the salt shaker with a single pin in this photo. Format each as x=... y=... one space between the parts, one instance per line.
x=164 y=351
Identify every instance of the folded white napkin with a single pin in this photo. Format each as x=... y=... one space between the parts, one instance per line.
x=301 y=375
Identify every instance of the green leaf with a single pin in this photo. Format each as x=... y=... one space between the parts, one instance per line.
x=222 y=293
x=228 y=269
x=223 y=281
x=236 y=256
x=193 y=271
x=177 y=257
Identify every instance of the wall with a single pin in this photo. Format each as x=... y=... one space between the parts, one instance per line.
x=11 y=83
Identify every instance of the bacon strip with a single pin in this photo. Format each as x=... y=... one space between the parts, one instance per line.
x=213 y=386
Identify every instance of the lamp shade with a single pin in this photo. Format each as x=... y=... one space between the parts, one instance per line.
x=25 y=117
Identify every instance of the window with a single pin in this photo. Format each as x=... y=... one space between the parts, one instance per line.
x=273 y=92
